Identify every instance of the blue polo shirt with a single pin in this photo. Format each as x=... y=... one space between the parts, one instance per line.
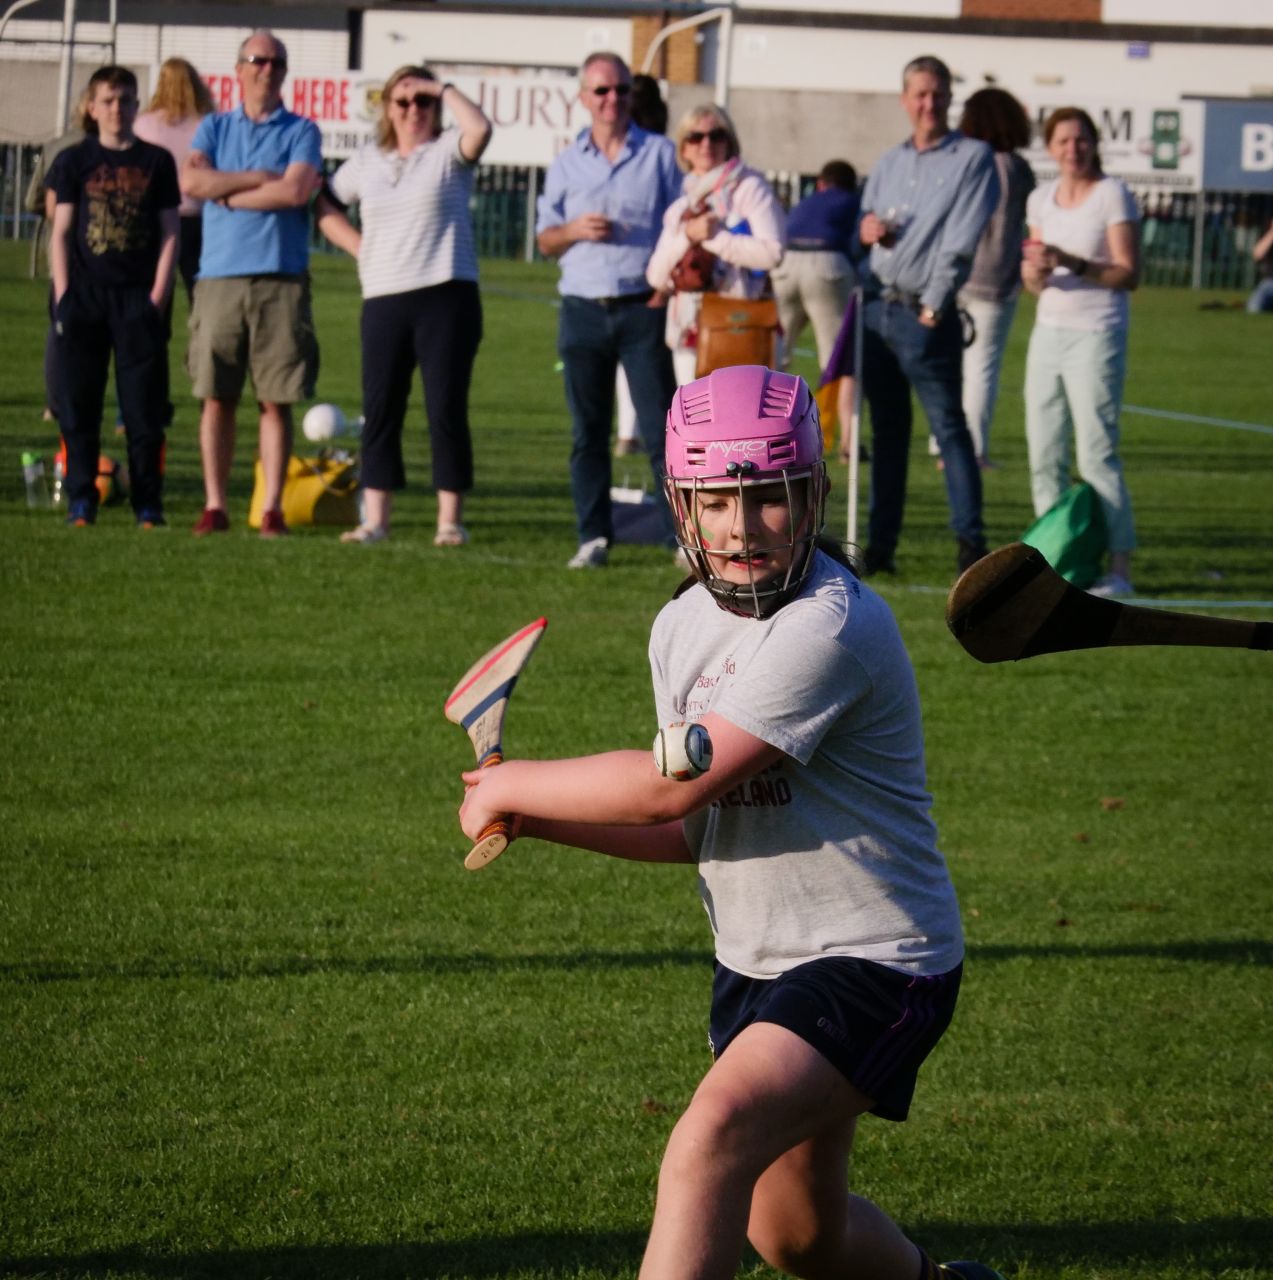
x=249 y=242
x=633 y=193
x=943 y=197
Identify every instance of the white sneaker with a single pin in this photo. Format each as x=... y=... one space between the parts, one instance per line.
x=594 y=554
x=1112 y=586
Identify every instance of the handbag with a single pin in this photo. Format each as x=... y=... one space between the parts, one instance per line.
x=736 y=331
x=696 y=269
x=1072 y=536
x=694 y=272
x=318 y=490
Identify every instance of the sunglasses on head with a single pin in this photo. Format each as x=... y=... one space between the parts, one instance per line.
x=264 y=60
x=712 y=135
x=418 y=100
x=619 y=90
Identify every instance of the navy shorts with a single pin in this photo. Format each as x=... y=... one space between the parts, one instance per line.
x=873 y=1024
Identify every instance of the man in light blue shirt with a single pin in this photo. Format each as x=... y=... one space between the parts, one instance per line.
x=256 y=167
x=600 y=214
x=924 y=208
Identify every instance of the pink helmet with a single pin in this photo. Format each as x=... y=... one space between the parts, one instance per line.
x=740 y=426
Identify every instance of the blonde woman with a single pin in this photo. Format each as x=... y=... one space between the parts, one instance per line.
x=180 y=101
x=418 y=268
x=727 y=208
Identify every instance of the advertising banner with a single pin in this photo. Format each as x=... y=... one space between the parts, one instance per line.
x=1146 y=144
x=535 y=114
x=1239 y=151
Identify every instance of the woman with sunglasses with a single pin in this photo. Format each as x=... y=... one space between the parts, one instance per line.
x=728 y=209
x=418 y=268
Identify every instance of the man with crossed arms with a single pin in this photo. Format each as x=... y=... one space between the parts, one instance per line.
x=925 y=206
x=257 y=167
x=600 y=214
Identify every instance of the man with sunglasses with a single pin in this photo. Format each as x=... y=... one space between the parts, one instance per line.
x=600 y=214
x=257 y=167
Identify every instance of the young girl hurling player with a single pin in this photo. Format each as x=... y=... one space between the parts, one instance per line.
x=838 y=943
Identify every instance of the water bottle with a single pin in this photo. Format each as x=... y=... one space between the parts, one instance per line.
x=36 y=480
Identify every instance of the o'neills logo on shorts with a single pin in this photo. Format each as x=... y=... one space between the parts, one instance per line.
x=762 y=791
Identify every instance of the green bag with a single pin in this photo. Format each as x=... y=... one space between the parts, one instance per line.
x=1072 y=535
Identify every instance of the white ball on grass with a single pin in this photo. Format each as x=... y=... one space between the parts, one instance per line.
x=682 y=751
x=324 y=422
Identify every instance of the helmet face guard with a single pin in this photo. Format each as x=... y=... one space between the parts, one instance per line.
x=734 y=430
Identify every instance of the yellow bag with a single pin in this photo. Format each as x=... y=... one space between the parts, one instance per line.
x=736 y=331
x=321 y=490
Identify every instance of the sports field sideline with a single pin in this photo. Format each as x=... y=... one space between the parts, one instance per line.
x=260 y=1023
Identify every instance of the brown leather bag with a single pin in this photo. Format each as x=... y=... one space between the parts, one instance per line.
x=736 y=331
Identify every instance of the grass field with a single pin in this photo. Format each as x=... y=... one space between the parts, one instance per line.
x=258 y=1022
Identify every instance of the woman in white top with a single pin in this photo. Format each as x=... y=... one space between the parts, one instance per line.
x=727 y=208
x=1082 y=260
x=418 y=268
x=181 y=100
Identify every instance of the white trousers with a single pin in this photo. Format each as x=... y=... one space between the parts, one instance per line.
x=1074 y=389
x=982 y=363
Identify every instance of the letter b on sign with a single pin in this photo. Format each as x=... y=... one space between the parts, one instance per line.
x=1257 y=148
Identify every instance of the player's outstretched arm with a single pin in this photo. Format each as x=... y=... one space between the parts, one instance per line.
x=616 y=789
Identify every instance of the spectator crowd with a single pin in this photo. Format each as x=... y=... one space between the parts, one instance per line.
x=645 y=229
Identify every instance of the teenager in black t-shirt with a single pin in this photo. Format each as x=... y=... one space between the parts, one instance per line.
x=112 y=252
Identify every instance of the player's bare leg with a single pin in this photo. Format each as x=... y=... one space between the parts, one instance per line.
x=769 y=1094
x=805 y=1221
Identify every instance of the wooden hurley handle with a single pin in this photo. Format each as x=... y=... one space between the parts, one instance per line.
x=495 y=837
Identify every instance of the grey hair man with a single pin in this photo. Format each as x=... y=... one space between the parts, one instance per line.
x=924 y=208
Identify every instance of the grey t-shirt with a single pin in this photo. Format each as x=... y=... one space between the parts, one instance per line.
x=831 y=851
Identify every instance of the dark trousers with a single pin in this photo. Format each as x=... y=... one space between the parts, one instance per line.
x=594 y=338
x=92 y=321
x=898 y=354
x=438 y=329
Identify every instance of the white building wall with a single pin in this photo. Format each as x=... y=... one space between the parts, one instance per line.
x=844 y=60
x=139 y=44
x=774 y=57
x=1191 y=13
x=390 y=39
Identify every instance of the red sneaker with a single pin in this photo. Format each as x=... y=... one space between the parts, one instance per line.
x=213 y=520
x=273 y=525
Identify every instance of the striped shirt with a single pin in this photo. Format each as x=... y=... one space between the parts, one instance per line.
x=416 y=227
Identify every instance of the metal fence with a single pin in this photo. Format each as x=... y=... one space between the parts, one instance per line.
x=1199 y=239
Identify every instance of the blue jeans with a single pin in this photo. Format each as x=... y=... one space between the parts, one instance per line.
x=1261 y=298
x=898 y=354
x=594 y=338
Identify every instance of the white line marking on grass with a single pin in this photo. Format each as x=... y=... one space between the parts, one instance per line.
x=1193 y=417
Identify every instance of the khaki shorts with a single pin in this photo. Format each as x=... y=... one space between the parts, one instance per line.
x=257 y=324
